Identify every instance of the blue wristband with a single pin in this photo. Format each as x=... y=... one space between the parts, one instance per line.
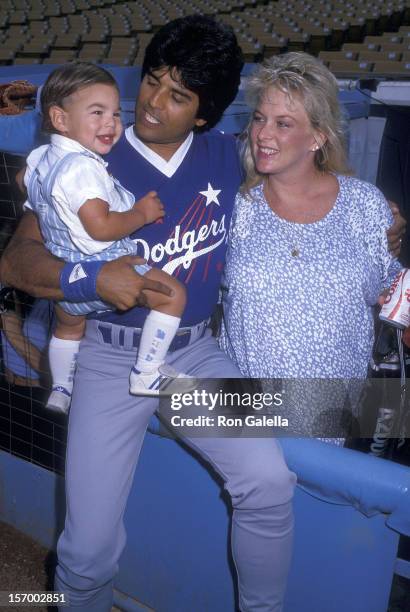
x=78 y=281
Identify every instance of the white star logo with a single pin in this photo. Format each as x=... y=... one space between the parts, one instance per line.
x=211 y=195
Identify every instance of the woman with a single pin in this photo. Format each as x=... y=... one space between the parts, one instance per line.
x=308 y=254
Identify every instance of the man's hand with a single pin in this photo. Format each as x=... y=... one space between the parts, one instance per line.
x=150 y=206
x=27 y=265
x=119 y=284
x=396 y=232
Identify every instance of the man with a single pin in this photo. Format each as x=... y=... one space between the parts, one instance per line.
x=191 y=74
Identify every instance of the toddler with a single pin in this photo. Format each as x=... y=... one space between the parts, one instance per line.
x=85 y=215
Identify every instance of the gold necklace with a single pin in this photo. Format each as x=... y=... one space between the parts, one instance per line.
x=295 y=241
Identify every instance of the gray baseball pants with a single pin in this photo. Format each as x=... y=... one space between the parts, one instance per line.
x=107 y=426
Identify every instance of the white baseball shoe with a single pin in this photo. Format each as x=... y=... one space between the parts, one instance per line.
x=161 y=382
x=59 y=400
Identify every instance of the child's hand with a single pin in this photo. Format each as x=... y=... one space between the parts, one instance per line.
x=151 y=207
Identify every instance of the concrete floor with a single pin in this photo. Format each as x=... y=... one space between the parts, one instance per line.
x=27 y=566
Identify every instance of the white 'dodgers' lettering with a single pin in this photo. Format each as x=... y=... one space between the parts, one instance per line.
x=185 y=245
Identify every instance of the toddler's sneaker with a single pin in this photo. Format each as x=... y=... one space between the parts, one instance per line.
x=162 y=382
x=59 y=400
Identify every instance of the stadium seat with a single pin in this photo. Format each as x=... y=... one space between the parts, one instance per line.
x=92 y=52
x=264 y=27
x=349 y=68
x=359 y=47
x=399 y=47
x=379 y=56
x=68 y=40
x=17 y=17
x=393 y=70
x=60 y=56
x=329 y=56
x=7 y=56
x=27 y=60
x=338 y=30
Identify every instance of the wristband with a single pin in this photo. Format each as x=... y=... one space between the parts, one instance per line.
x=78 y=281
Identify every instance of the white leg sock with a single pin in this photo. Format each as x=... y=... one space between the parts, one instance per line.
x=62 y=356
x=157 y=334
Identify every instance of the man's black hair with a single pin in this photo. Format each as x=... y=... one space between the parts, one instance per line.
x=207 y=57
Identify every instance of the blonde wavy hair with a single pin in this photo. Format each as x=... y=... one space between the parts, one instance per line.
x=300 y=75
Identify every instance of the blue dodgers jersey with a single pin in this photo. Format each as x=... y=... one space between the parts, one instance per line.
x=190 y=242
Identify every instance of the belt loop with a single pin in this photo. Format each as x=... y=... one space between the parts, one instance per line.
x=193 y=334
x=136 y=337
x=115 y=336
x=197 y=331
x=128 y=338
x=204 y=327
x=99 y=330
x=129 y=344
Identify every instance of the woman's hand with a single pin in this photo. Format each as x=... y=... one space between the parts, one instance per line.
x=382 y=297
x=406 y=332
x=406 y=337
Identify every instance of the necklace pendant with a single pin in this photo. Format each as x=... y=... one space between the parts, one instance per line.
x=295 y=252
